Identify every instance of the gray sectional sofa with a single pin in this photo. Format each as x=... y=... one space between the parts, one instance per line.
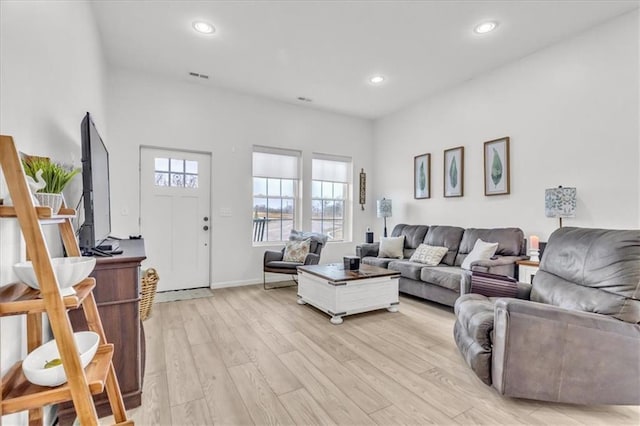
x=443 y=283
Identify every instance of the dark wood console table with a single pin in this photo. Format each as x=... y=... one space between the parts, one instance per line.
x=117 y=294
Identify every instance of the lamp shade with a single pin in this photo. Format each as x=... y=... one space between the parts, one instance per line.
x=560 y=202
x=384 y=208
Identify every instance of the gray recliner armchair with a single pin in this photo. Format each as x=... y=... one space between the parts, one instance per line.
x=273 y=262
x=577 y=337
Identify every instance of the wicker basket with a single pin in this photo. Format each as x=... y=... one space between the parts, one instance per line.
x=150 y=280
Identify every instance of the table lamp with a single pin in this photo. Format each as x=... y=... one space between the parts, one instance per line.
x=384 y=211
x=560 y=202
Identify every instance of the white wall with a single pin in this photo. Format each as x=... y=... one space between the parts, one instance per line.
x=152 y=110
x=571 y=111
x=51 y=73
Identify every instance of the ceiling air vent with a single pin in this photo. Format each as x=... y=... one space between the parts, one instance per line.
x=195 y=74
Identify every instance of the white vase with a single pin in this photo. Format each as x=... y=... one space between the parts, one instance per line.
x=50 y=200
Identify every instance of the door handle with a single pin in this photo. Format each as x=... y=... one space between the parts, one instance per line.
x=205 y=218
x=206 y=228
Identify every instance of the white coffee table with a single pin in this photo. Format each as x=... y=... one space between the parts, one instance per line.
x=338 y=292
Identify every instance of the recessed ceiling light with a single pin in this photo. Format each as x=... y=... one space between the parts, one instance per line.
x=485 y=27
x=376 y=79
x=204 y=27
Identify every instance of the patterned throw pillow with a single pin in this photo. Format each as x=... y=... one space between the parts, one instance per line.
x=296 y=251
x=429 y=255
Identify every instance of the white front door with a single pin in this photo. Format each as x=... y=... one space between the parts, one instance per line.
x=175 y=220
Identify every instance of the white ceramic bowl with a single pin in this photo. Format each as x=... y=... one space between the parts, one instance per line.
x=69 y=272
x=33 y=364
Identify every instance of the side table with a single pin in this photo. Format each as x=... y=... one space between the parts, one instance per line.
x=527 y=270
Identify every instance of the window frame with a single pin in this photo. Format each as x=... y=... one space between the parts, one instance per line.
x=278 y=195
x=170 y=173
x=346 y=219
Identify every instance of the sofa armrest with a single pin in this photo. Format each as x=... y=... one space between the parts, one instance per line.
x=524 y=289
x=312 y=259
x=465 y=282
x=502 y=265
x=549 y=353
x=272 y=255
x=367 y=249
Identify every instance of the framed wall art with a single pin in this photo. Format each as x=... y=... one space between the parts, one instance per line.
x=496 y=167
x=454 y=172
x=422 y=176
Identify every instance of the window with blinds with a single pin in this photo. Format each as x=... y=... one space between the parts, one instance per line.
x=331 y=179
x=276 y=177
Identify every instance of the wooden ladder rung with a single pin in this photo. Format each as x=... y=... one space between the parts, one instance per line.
x=24 y=395
x=19 y=298
x=42 y=212
x=10 y=211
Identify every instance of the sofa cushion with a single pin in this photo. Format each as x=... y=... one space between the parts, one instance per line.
x=413 y=236
x=391 y=247
x=510 y=241
x=429 y=255
x=444 y=276
x=280 y=264
x=407 y=268
x=381 y=262
x=445 y=236
x=397 y=230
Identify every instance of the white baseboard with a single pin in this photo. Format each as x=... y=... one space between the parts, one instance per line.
x=240 y=283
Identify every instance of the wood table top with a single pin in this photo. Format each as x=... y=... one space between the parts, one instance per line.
x=335 y=272
x=132 y=251
x=528 y=262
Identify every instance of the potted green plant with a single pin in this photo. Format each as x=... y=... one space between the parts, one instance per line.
x=49 y=178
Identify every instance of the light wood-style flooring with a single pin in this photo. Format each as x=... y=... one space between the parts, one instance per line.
x=248 y=356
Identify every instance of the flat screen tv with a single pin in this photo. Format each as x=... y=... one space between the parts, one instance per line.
x=95 y=188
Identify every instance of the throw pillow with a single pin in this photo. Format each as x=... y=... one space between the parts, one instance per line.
x=316 y=239
x=429 y=255
x=481 y=251
x=296 y=251
x=391 y=247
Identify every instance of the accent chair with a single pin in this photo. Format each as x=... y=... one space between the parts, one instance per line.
x=273 y=260
x=576 y=336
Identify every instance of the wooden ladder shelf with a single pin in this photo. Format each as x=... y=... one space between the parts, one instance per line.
x=17 y=394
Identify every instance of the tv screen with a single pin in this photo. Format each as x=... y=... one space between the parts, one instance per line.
x=95 y=187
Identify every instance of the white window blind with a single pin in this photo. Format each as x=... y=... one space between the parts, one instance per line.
x=331 y=179
x=331 y=170
x=276 y=175
x=269 y=162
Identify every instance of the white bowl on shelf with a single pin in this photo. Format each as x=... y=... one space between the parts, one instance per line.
x=68 y=270
x=33 y=365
